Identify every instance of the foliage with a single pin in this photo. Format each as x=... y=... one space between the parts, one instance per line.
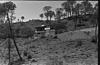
x=79 y=43
x=25 y=32
x=59 y=27
x=6 y=7
x=94 y=39
x=77 y=8
x=19 y=31
x=41 y=15
x=3 y=31
x=59 y=13
x=86 y=7
x=47 y=8
x=22 y=17
x=51 y=14
x=68 y=6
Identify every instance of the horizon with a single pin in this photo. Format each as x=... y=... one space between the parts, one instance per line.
x=32 y=9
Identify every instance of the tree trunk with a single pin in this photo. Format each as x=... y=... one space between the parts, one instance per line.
x=12 y=36
x=50 y=21
x=50 y=18
x=70 y=13
x=96 y=31
x=9 y=46
x=41 y=18
x=75 y=23
x=67 y=14
x=47 y=18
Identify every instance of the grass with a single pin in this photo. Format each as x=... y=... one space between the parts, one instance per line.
x=53 y=51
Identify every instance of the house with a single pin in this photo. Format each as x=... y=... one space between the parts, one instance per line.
x=44 y=31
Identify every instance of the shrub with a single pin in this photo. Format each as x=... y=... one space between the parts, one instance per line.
x=43 y=37
x=58 y=26
x=94 y=40
x=25 y=53
x=55 y=37
x=29 y=57
x=25 y=32
x=79 y=43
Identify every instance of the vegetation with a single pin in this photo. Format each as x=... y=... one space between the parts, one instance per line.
x=22 y=17
x=41 y=15
x=71 y=12
x=78 y=13
x=71 y=15
x=81 y=14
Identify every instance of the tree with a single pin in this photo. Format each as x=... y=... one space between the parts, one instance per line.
x=59 y=13
x=46 y=9
x=77 y=11
x=68 y=6
x=12 y=17
x=65 y=5
x=6 y=8
x=41 y=15
x=78 y=8
x=22 y=17
x=72 y=4
x=51 y=14
x=47 y=16
x=96 y=8
x=95 y=16
x=1 y=13
x=86 y=7
x=64 y=15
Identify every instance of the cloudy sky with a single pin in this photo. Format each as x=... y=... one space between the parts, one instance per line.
x=32 y=9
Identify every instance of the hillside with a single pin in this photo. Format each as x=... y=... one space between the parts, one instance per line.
x=49 y=51
x=73 y=45
x=26 y=29
x=55 y=33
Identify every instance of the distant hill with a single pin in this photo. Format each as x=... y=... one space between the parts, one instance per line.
x=66 y=24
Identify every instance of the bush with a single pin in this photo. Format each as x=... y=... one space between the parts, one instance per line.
x=3 y=31
x=79 y=43
x=43 y=37
x=24 y=32
x=29 y=57
x=94 y=40
x=25 y=53
x=55 y=37
x=59 y=27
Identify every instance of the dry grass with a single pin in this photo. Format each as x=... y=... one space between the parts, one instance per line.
x=54 y=52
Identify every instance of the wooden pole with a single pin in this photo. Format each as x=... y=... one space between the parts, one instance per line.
x=9 y=49
x=12 y=36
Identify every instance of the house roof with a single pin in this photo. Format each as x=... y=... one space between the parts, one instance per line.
x=40 y=28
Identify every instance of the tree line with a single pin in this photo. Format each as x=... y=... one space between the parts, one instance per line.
x=68 y=9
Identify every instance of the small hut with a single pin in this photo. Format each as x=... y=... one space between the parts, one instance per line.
x=44 y=31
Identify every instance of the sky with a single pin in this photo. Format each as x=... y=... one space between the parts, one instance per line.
x=32 y=9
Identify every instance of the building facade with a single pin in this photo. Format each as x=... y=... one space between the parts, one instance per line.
x=44 y=31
